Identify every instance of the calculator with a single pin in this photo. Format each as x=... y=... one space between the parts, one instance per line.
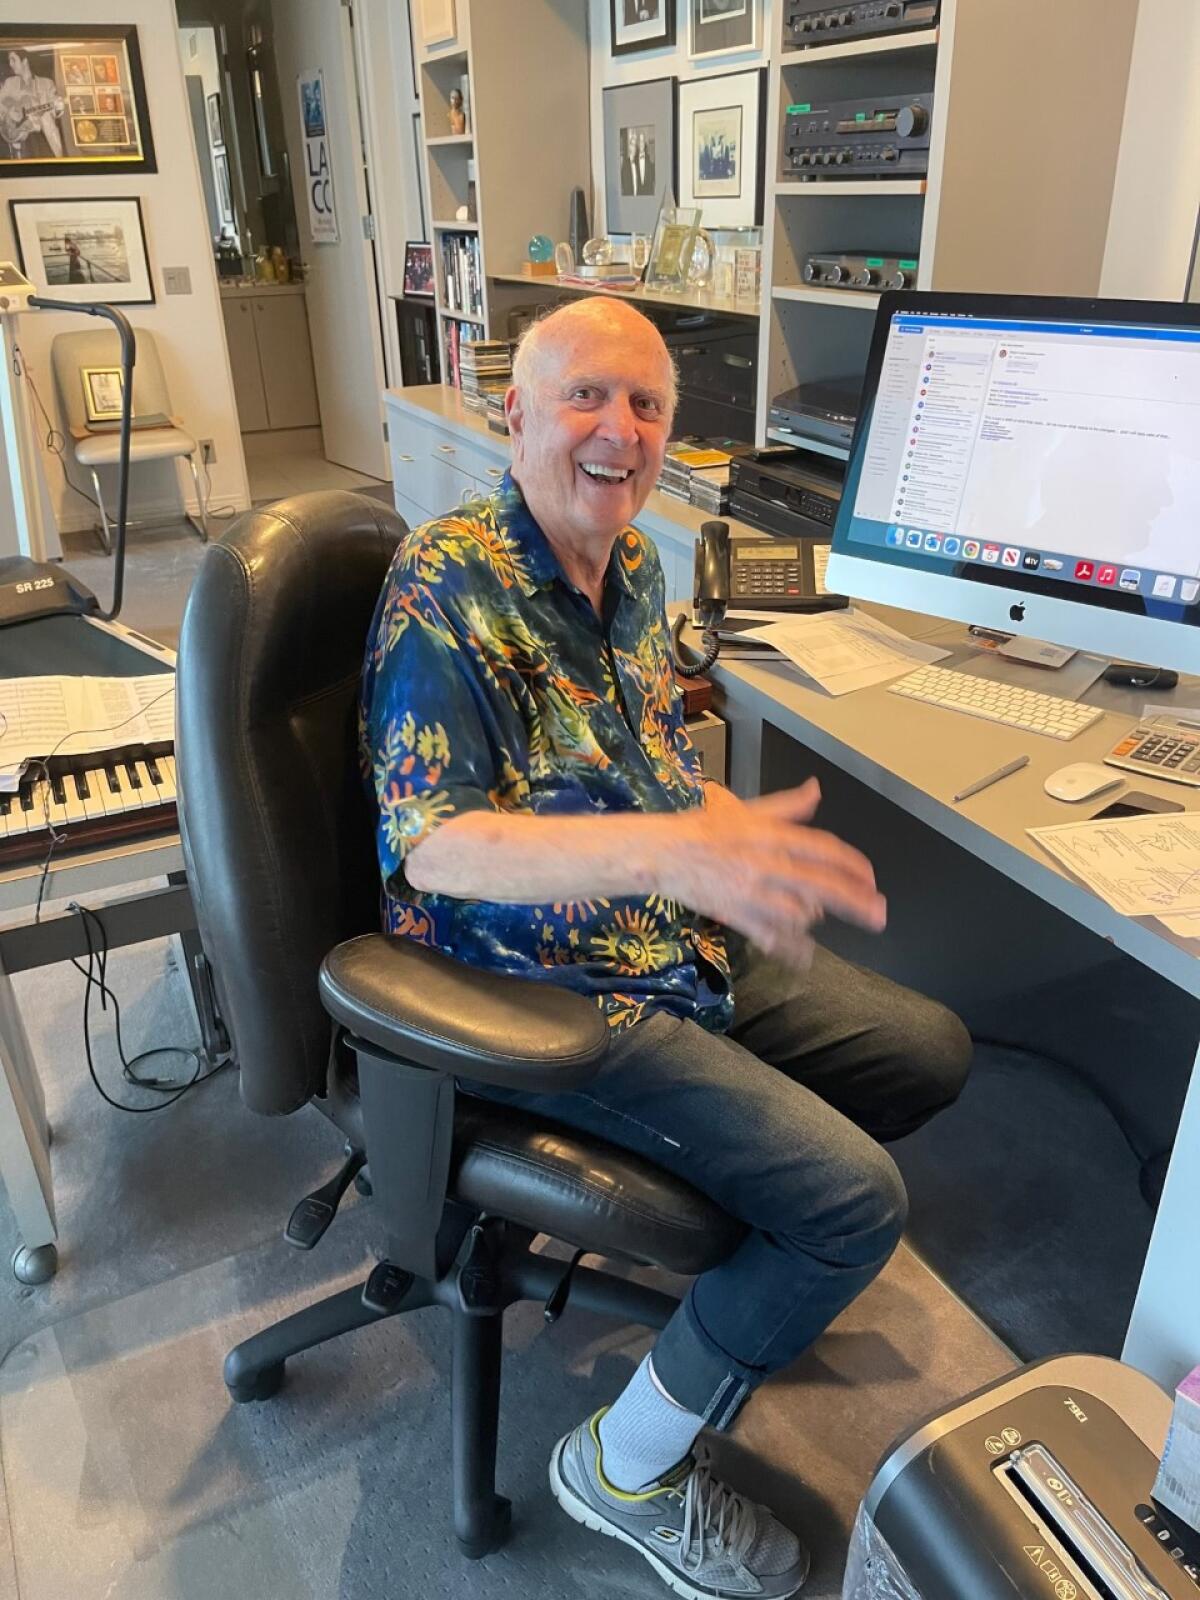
x=1160 y=747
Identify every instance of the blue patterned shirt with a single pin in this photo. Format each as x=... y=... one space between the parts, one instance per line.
x=491 y=684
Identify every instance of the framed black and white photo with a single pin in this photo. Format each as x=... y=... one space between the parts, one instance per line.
x=641 y=25
x=224 y=192
x=72 y=101
x=718 y=27
x=418 y=269
x=639 y=153
x=216 y=133
x=88 y=251
x=721 y=138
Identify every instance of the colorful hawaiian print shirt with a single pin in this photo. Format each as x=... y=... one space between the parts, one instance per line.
x=490 y=682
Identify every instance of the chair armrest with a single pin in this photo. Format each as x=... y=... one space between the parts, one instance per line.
x=427 y=1008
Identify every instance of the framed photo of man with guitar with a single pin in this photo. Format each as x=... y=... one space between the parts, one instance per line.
x=72 y=100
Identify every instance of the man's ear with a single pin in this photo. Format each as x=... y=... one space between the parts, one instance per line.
x=514 y=411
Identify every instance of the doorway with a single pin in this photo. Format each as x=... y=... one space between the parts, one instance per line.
x=292 y=326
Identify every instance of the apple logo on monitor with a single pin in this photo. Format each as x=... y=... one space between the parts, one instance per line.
x=1017 y=612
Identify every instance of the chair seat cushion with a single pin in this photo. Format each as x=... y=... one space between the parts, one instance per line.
x=574 y=1186
x=145 y=444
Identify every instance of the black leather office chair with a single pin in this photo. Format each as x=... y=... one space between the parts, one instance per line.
x=278 y=838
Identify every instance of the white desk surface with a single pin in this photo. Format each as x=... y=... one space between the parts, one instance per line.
x=919 y=756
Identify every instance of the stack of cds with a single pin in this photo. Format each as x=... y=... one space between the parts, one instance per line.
x=485 y=366
x=697 y=471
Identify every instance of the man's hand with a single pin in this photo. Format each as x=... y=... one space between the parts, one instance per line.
x=756 y=866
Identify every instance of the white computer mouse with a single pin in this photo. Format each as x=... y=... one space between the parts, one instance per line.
x=1082 y=780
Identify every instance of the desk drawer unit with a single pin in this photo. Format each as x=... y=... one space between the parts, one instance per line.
x=434 y=470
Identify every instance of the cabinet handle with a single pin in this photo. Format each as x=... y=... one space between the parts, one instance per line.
x=403 y=458
x=446 y=449
x=494 y=472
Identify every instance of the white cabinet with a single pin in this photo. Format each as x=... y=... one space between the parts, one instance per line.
x=270 y=356
x=436 y=467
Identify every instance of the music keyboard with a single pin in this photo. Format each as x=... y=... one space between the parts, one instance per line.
x=93 y=799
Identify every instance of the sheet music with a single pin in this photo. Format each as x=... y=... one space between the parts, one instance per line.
x=46 y=716
x=1146 y=866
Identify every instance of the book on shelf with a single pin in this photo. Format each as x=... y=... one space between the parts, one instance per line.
x=455 y=335
x=461 y=274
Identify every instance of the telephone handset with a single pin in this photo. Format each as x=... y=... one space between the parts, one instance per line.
x=776 y=574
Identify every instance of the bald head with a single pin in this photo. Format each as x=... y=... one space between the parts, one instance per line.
x=595 y=317
x=589 y=411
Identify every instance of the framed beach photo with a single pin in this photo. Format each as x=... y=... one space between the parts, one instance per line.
x=90 y=251
x=639 y=153
x=641 y=25
x=719 y=27
x=721 y=140
x=72 y=101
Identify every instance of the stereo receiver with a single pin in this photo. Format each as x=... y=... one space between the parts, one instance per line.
x=853 y=269
x=885 y=138
x=805 y=25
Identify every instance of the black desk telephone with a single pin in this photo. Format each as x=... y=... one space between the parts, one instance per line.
x=773 y=574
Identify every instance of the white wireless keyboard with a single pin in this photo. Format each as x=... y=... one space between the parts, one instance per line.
x=998 y=702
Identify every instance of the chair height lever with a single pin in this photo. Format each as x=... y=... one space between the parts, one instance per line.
x=309 y=1221
x=557 y=1303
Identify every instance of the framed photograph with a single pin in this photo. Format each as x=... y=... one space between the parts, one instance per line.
x=216 y=131
x=641 y=25
x=103 y=393
x=718 y=27
x=639 y=153
x=722 y=131
x=85 y=250
x=224 y=192
x=437 y=22
x=418 y=269
x=72 y=101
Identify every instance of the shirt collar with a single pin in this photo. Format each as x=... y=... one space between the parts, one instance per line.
x=535 y=565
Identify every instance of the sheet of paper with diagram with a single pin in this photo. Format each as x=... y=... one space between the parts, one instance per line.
x=846 y=650
x=1145 y=866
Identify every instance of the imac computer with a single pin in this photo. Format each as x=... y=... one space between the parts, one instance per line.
x=1031 y=465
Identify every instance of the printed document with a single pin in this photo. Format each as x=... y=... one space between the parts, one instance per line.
x=846 y=650
x=41 y=717
x=1145 y=866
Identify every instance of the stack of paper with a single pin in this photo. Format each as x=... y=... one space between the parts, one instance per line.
x=1146 y=866
x=845 y=650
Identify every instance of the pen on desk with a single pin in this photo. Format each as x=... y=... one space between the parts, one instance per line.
x=993 y=777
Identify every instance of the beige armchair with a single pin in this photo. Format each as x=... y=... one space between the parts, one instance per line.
x=92 y=448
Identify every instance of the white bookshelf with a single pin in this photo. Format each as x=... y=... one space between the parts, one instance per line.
x=1020 y=181
x=522 y=153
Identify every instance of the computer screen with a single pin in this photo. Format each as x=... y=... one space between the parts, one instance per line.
x=1032 y=465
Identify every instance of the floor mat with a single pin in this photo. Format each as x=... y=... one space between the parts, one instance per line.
x=130 y=1476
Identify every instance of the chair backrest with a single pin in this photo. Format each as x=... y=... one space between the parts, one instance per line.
x=277 y=832
x=101 y=347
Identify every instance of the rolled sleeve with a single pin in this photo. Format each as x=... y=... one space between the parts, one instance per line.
x=429 y=730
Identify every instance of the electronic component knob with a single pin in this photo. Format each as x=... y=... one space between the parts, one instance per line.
x=911 y=121
x=898 y=279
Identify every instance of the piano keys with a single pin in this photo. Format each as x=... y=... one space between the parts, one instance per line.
x=93 y=799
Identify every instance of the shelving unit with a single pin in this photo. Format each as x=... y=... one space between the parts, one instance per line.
x=522 y=154
x=691 y=300
x=1020 y=182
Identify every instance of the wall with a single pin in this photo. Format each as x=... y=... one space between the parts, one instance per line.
x=608 y=70
x=1152 y=225
x=188 y=329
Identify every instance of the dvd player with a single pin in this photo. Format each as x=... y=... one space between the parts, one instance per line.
x=787 y=491
x=826 y=410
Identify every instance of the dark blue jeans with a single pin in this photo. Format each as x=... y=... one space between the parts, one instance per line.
x=779 y=1121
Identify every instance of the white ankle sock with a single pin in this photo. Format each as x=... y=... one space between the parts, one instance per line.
x=645 y=1432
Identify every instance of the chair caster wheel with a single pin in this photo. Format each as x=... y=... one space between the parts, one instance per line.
x=483 y=1544
x=34 y=1266
x=263 y=1385
x=362 y=1183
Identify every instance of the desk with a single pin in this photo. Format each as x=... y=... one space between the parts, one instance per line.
x=152 y=912
x=917 y=756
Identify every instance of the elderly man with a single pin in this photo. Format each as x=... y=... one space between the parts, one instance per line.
x=541 y=813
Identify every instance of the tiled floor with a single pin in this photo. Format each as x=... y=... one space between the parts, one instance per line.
x=271 y=477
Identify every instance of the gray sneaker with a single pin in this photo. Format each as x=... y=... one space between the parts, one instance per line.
x=697 y=1534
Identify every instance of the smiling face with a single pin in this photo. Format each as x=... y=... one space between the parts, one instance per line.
x=590 y=415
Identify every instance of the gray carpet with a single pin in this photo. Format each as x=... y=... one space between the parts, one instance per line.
x=131 y=1477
